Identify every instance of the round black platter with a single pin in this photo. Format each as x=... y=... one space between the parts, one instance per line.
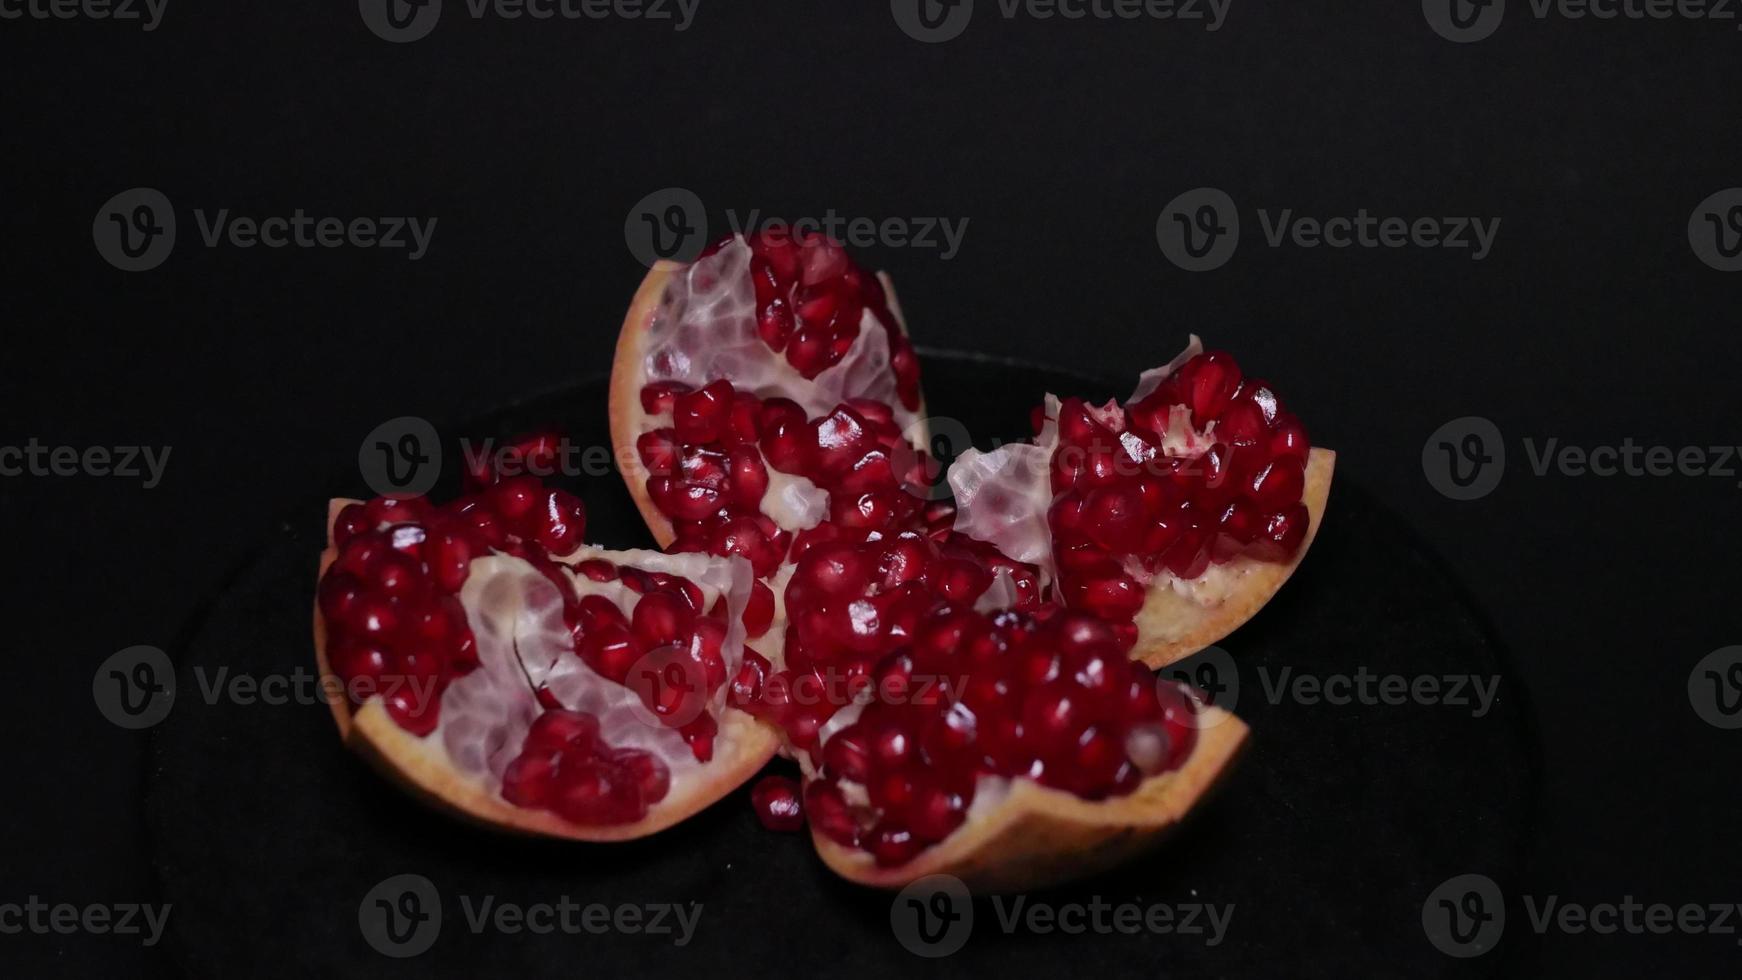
x=1334 y=828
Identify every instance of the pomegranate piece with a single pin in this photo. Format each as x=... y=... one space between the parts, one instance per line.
x=1201 y=468
x=904 y=696
x=537 y=677
x=1048 y=697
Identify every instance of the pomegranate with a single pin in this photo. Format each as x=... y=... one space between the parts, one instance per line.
x=765 y=390
x=1174 y=517
x=498 y=666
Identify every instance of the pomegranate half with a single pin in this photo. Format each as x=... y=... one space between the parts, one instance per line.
x=1175 y=516
x=503 y=671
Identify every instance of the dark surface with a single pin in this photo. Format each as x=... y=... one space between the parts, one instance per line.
x=1591 y=323
x=1364 y=808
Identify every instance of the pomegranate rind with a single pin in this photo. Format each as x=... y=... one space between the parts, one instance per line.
x=628 y=376
x=420 y=765
x=1172 y=627
x=628 y=420
x=1037 y=836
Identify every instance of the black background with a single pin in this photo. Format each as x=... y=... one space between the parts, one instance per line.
x=1591 y=322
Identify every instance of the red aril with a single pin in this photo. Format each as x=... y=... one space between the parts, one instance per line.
x=778 y=804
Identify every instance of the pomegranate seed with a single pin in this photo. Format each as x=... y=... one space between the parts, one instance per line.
x=563 y=730
x=528 y=780
x=829 y=813
x=651 y=776
x=1210 y=381
x=562 y=522
x=660 y=619
x=778 y=804
x=353 y=520
x=1278 y=485
x=747 y=686
x=360 y=663
x=893 y=846
x=515 y=501
x=658 y=451
x=611 y=650
x=657 y=398
x=590 y=796
x=699 y=416
x=759 y=611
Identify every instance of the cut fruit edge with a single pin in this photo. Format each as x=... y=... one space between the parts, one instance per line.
x=419 y=763
x=1035 y=836
x=628 y=420
x=1172 y=627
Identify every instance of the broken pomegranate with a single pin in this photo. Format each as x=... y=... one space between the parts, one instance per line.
x=1173 y=517
x=496 y=664
x=957 y=682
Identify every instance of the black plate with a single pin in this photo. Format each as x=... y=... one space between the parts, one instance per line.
x=1337 y=824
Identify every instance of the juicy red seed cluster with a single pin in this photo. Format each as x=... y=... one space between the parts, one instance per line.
x=668 y=649
x=1125 y=511
x=778 y=804
x=1051 y=698
x=811 y=299
x=851 y=602
x=708 y=470
x=393 y=621
x=564 y=766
